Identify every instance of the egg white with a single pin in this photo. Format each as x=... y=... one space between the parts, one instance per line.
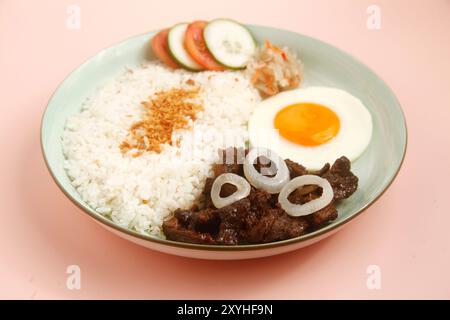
x=352 y=139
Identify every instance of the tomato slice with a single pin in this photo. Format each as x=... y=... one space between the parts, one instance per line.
x=196 y=47
x=161 y=48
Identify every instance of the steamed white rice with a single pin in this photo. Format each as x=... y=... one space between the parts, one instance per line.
x=140 y=192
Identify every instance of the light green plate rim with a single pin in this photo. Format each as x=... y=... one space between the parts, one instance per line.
x=303 y=238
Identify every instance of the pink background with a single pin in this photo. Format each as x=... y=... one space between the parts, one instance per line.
x=406 y=233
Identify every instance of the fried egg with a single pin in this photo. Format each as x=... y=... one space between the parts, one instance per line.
x=312 y=126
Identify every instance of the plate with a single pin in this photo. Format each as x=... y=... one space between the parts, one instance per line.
x=324 y=65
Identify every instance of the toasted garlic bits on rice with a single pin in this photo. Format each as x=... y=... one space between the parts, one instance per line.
x=168 y=111
x=139 y=192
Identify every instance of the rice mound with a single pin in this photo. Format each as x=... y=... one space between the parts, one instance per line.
x=139 y=192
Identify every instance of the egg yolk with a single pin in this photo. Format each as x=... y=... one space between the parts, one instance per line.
x=307 y=124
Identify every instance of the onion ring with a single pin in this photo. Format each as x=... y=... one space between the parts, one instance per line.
x=297 y=210
x=261 y=181
x=242 y=185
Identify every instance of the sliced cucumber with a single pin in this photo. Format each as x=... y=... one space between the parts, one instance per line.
x=176 y=47
x=230 y=43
